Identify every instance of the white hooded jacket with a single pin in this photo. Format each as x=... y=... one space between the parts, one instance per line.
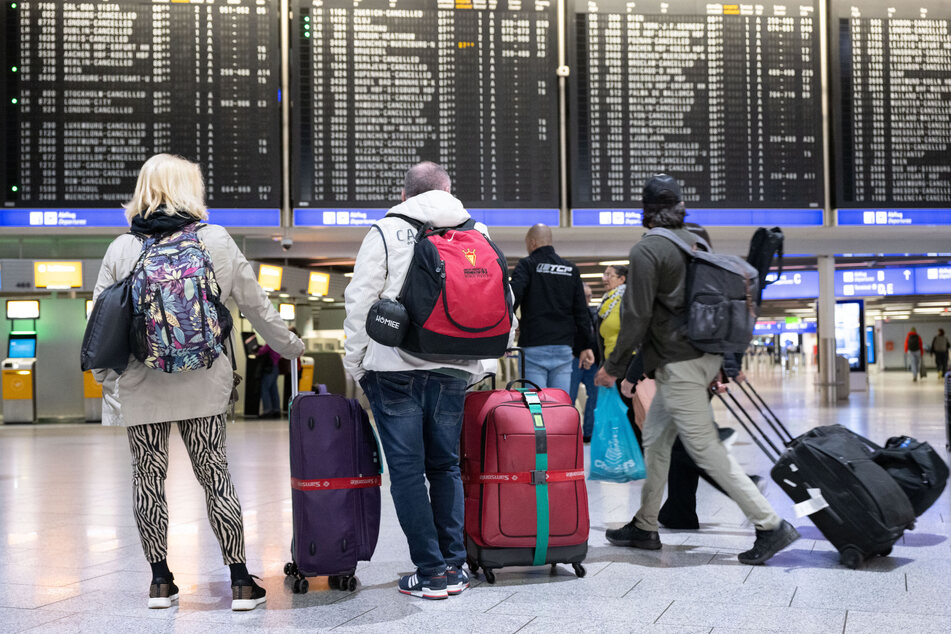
x=371 y=282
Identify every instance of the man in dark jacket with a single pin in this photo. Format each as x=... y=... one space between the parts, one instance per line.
x=554 y=312
x=653 y=315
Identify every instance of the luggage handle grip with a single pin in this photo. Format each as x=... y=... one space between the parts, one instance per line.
x=295 y=381
x=523 y=382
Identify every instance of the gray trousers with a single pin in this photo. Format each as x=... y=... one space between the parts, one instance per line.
x=681 y=406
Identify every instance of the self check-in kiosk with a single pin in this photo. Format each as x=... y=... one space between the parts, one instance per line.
x=19 y=367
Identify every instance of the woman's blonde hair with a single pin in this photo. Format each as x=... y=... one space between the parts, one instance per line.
x=172 y=181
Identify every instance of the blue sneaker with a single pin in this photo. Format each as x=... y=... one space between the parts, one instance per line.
x=416 y=585
x=456 y=580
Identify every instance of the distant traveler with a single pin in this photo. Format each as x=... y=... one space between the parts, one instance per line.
x=270 y=397
x=169 y=201
x=913 y=350
x=417 y=403
x=581 y=375
x=653 y=311
x=939 y=348
x=554 y=312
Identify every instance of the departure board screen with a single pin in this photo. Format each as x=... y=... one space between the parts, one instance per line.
x=724 y=97
x=891 y=98
x=384 y=84
x=92 y=89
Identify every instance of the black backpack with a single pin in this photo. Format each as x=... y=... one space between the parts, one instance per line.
x=914 y=343
x=916 y=467
x=720 y=297
x=764 y=246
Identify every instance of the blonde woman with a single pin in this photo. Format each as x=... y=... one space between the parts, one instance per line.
x=169 y=197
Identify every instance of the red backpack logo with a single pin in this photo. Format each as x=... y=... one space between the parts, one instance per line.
x=457 y=296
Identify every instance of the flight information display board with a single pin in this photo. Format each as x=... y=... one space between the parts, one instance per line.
x=891 y=98
x=383 y=84
x=92 y=89
x=724 y=97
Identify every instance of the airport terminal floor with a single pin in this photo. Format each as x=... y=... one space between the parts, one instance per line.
x=70 y=558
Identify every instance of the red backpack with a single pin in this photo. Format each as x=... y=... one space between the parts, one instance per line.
x=456 y=294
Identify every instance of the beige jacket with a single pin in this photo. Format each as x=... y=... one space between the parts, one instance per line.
x=141 y=395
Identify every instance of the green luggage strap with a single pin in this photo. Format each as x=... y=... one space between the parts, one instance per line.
x=538 y=477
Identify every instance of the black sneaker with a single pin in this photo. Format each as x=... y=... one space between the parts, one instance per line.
x=727 y=436
x=768 y=543
x=162 y=592
x=456 y=580
x=416 y=585
x=247 y=595
x=630 y=535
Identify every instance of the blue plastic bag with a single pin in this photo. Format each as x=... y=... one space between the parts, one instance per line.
x=615 y=454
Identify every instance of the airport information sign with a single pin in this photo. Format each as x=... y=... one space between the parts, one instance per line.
x=383 y=84
x=92 y=89
x=724 y=97
x=891 y=85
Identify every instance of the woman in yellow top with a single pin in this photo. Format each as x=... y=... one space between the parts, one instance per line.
x=609 y=313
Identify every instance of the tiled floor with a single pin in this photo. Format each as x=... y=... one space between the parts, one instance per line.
x=70 y=559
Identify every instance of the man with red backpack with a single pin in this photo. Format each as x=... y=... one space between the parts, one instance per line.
x=913 y=350
x=450 y=315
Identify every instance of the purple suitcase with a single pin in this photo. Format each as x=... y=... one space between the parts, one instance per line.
x=335 y=488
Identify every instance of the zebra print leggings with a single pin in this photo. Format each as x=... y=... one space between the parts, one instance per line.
x=205 y=441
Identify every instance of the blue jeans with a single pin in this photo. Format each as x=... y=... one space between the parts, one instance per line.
x=269 y=394
x=579 y=376
x=549 y=366
x=419 y=416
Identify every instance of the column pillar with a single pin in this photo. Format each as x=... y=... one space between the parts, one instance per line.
x=825 y=312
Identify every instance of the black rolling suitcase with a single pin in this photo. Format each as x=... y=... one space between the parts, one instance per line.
x=831 y=474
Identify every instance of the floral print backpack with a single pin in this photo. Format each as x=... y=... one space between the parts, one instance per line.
x=178 y=323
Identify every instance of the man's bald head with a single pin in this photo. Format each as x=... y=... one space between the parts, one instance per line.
x=424 y=177
x=537 y=237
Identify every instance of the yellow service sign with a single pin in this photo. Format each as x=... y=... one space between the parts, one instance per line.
x=319 y=284
x=269 y=277
x=58 y=274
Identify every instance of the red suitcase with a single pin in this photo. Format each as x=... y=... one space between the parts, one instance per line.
x=523 y=459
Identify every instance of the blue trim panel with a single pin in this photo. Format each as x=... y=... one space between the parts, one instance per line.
x=115 y=217
x=892 y=217
x=351 y=217
x=707 y=217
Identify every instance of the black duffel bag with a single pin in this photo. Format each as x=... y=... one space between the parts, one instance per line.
x=916 y=467
x=106 y=344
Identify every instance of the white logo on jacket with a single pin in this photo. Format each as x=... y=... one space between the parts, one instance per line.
x=553 y=269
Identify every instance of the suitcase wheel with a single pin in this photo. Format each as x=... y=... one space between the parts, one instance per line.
x=290 y=569
x=489 y=575
x=301 y=586
x=473 y=567
x=579 y=570
x=342 y=582
x=554 y=570
x=886 y=552
x=851 y=557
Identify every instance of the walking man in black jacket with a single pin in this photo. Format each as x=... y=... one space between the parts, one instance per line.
x=554 y=312
x=653 y=315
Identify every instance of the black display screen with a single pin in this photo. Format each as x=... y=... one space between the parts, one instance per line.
x=891 y=100
x=92 y=89
x=384 y=84
x=724 y=97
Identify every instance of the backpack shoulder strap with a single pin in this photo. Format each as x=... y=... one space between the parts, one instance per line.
x=677 y=240
x=386 y=252
x=417 y=224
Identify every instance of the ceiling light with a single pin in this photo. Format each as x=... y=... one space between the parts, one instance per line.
x=929 y=311
x=327 y=299
x=899 y=317
x=613 y=262
x=348 y=274
x=590 y=275
x=934 y=303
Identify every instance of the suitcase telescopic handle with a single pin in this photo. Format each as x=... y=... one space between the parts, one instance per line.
x=295 y=381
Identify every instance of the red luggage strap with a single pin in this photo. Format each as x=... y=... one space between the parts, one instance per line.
x=325 y=484
x=526 y=477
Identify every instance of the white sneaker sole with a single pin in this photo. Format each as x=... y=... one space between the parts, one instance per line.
x=244 y=605
x=158 y=603
x=425 y=593
x=457 y=589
